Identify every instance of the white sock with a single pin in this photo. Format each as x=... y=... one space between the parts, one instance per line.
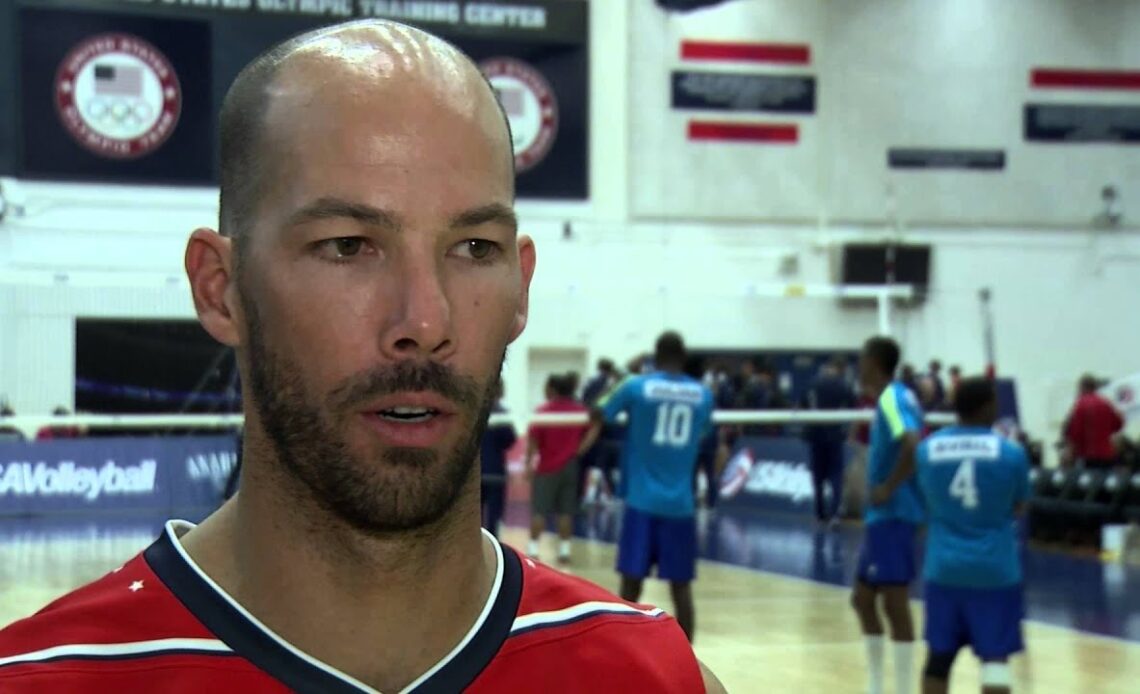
x=904 y=667
x=532 y=548
x=875 y=653
x=564 y=548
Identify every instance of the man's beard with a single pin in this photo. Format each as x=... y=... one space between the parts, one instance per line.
x=402 y=489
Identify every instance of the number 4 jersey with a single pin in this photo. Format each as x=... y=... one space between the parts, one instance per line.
x=669 y=414
x=971 y=480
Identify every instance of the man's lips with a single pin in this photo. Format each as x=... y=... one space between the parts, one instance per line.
x=411 y=404
x=411 y=419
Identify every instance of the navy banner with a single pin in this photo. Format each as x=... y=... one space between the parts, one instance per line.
x=771 y=473
x=128 y=91
x=941 y=158
x=733 y=91
x=1082 y=123
x=172 y=476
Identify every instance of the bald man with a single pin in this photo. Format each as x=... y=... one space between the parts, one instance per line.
x=369 y=274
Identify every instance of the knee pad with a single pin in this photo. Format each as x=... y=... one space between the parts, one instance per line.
x=996 y=675
x=938 y=665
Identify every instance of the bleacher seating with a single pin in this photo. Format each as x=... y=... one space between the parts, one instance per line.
x=1054 y=490
x=1130 y=501
x=1094 y=502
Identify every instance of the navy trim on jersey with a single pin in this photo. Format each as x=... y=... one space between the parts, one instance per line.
x=549 y=621
x=249 y=641
x=462 y=670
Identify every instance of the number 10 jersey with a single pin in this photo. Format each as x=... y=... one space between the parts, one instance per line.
x=668 y=414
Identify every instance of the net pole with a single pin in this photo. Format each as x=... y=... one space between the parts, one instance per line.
x=884 y=305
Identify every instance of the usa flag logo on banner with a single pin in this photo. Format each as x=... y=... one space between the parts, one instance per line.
x=118 y=96
x=530 y=105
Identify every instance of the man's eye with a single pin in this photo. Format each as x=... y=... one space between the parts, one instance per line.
x=344 y=247
x=479 y=249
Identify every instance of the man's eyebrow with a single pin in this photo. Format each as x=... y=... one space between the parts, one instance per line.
x=337 y=208
x=494 y=213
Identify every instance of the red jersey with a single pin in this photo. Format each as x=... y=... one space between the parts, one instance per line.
x=557 y=444
x=159 y=624
x=1092 y=423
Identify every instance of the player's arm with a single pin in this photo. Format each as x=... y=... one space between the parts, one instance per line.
x=592 y=434
x=712 y=684
x=1021 y=494
x=904 y=425
x=607 y=409
x=531 y=450
x=902 y=471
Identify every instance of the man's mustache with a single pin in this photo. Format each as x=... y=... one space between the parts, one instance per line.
x=403 y=377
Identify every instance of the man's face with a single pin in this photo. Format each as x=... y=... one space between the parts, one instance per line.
x=381 y=287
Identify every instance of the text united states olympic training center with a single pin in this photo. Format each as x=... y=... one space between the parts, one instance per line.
x=480 y=14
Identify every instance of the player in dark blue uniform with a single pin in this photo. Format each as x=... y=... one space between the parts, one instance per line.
x=828 y=441
x=669 y=414
x=973 y=482
x=497 y=440
x=887 y=561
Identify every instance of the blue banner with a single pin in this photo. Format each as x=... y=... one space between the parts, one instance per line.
x=770 y=473
x=172 y=476
x=734 y=91
x=1115 y=123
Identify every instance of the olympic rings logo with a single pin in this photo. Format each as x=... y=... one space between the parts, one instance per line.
x=109 y=112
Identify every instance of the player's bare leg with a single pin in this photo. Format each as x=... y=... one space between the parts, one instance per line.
x=537 y=525
x=936 y=674
x=565 y=530
x=864 y=600
x=630 y=588
x=683 y=608
x=896 y=605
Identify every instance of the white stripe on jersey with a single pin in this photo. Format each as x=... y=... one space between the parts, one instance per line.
x=576 y=612
x=114 y=650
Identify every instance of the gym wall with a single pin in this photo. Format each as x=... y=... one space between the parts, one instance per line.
x=684 y=239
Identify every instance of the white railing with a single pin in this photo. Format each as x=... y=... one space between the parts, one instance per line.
x=30 y=424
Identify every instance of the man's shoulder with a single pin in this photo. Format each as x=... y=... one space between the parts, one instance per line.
x=574 y=622
x=547 y=591
x=557 y=605
x=124 y=613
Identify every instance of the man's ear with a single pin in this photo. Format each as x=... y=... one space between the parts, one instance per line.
x=209 y=267
x=527 y=261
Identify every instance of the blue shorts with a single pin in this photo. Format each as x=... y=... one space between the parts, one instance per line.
x=670 y=543
x=887 y=557
x=987 y=619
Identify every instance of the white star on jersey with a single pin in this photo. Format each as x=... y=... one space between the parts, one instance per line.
x=136 y=586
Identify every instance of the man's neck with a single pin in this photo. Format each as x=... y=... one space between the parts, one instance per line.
x=383 y=610
x=878 y=388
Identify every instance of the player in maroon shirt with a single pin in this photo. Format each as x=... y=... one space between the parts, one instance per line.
x=369 y=274
x=1091 y=427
